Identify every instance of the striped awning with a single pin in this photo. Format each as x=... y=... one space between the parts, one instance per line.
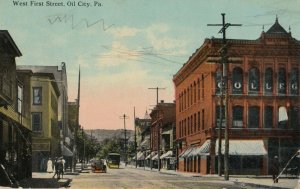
x=167 y=154
x=186 y=152
x=244 y=147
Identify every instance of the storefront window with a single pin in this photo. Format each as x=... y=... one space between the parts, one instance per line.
x=268 y=83
x=254 y=80
x=237 y=81
x=281 y=87
x=253 y=117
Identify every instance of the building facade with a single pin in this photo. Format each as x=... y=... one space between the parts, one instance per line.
x=44 y=120
x=15 y=130
x=262 y=105
x=142 y=126
x=163 y=122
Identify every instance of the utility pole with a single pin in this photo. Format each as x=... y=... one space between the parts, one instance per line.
x=77 y=125
x=125 y=143
x=225 y=88
x=135 y=144
x=158 y=128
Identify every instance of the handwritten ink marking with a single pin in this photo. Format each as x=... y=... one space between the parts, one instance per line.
x=67 y=18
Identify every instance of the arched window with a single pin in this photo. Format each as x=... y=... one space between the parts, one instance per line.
x=281 y=86
x=268 y=83
x=220 y=115
x=253 y=117
x=254 y=80
x=282 y=117
x=218 y=78
x=294 y=82
x=237 y=81
x=268 y=117
x=237 y=116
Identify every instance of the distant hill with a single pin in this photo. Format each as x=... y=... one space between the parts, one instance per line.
x=101 y=134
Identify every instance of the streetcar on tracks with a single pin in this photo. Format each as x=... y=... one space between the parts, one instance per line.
x=113 y=160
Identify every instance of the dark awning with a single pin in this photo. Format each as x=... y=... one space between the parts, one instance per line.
x=66 y=151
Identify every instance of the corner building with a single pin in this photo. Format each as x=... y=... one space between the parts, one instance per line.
x=263 y=104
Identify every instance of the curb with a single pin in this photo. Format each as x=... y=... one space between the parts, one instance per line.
x=243 y=184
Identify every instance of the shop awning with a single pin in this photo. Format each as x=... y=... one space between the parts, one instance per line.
x=140 y=156
x=167 y=154
x=186 y=152
x=244 y=147
x=201 y=150
x=66 y=151
x=155 y=157
x=150 y=155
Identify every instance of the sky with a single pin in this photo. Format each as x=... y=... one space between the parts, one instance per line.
x=124 y=47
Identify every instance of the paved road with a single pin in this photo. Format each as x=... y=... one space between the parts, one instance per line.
x=128 y=178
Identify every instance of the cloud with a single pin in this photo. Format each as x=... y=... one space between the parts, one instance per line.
x=125 y=31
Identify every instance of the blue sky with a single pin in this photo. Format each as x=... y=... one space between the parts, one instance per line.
x=126 y=46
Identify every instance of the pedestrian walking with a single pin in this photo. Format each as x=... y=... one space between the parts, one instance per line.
x=275 y=169
x=56 y=167
x=49 y=166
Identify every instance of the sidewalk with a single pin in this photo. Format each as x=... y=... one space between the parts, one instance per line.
x=45 y=180
x=240 y=180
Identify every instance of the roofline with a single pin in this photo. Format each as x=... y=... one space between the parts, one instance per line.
x=6 y=33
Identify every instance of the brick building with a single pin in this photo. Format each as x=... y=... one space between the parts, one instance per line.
x=263 y=103
x=163 y=121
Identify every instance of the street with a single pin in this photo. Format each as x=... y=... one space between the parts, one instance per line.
x=129 y=177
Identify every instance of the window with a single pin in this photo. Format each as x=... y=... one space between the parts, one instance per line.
x=20 y=99
x=198 y=86
x=202 y=80
x=294 y=117
x=294 y=82
x=202 y=119
x=237 y=81
x=281 y=87
x=218 y=79
x=195 y=93
x=268 y=117
x=237 y=116
x=220 y=109
x=195 y=122
x=37 y=95
x=282 y=117
x=199 y=121
x=253 y=85
x=253 y=117
x=37 y=121
x=268 y=83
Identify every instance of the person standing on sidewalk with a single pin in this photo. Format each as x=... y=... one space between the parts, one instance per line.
x=275 y=169
x=49 y=166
